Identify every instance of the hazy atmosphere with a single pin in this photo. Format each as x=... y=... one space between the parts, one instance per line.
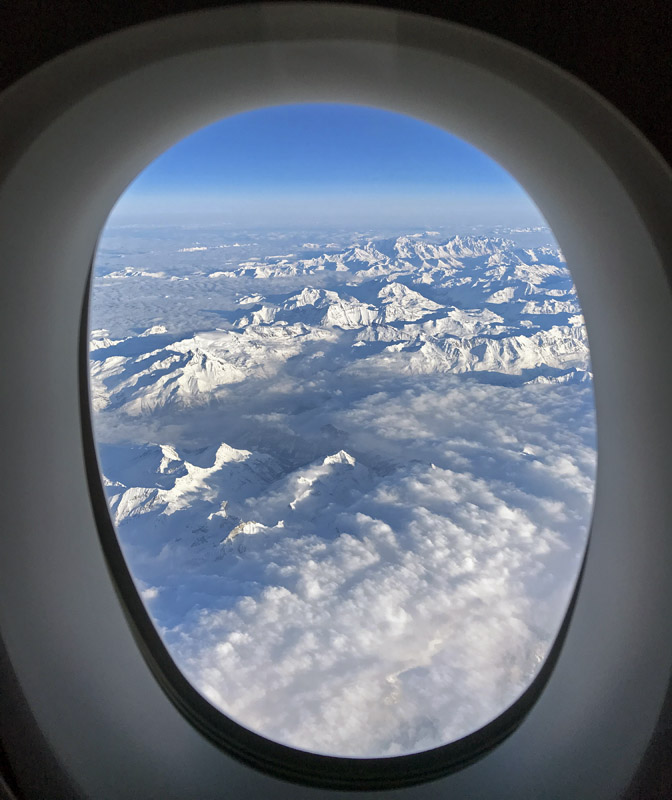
x=325 y=165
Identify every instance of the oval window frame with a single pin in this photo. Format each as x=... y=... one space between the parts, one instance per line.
x=640 y=179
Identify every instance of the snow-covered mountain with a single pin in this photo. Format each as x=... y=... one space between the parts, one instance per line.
x=183 y=485
x=361 y=468
x=476 y=305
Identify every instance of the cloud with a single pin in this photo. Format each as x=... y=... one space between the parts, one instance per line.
x=413 y=611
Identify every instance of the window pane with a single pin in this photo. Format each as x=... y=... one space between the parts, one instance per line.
x=343 y=407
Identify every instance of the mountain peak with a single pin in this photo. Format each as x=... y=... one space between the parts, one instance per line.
x=226 y=453
x=340 y=458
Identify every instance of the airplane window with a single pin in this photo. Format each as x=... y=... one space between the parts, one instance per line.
x=342 y=400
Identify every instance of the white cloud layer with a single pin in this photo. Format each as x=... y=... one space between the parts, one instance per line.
x=409 y=615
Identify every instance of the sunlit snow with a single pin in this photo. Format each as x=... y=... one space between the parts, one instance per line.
x=353 y=482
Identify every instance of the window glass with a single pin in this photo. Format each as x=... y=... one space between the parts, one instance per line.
x=343 y=409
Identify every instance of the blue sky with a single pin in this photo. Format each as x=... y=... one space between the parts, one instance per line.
x=320 y=165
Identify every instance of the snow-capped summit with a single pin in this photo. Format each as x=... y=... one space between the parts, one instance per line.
x=401 y=303
x=340 y=458
x=179 y=485
x=311 y=297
